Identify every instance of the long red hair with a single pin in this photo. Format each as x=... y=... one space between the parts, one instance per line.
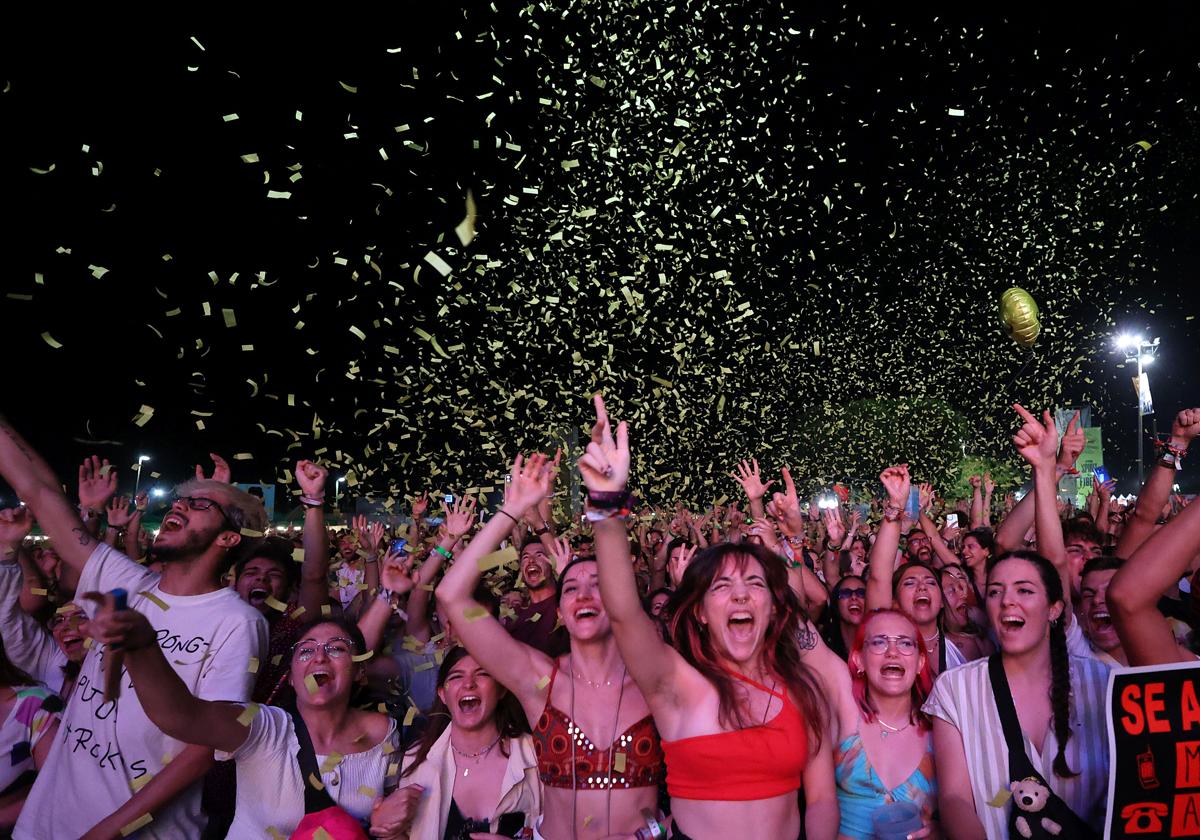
x=921 y=686
x=781 y=646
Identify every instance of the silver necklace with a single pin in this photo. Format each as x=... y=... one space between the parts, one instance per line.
x=931 y=641
x=578 y=676
x=478 y=756
x=887 y=729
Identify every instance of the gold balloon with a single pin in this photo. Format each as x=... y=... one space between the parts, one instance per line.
x=1020 y=316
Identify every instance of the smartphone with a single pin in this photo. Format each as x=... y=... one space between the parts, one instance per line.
x=913 y=508
x=449 y=498
x=951 y=520
x=398 y=544
x=1101 y=474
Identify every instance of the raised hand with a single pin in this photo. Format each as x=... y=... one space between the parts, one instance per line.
x=396 y=573
x=370 y=534
x=855 y=521
x=1186 y=426
x=1073 y=440
x=896 y=482
x=561 y=553
x=15 y=525
x=764 y=531
x=975 y=481
x=311 y=478
x=460 y=517
x=835 y=530
x=787 y=503
x=141 y=501
x=925 y=496
x=605 y=464
x=1037 y=442
x=748 y=476
x=988 y=485
x=221 y=471
x=419 y=506
x=119 y=513
x=530 y=483
x=97 y=483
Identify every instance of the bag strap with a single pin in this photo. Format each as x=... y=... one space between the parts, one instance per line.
x=314 y=799
x=1019 y=765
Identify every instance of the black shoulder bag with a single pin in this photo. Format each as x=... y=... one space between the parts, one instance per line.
x=1037 y=811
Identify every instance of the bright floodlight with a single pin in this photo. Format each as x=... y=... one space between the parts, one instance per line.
x=827 y=502
x=1126 y=341
x=143 y=458
x=1146 y=359
x=158 y=492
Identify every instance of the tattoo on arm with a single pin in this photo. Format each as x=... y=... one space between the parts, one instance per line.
x=83 y=536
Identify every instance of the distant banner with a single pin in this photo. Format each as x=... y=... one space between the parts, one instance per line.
x=1141 y=384
x=1154 y=752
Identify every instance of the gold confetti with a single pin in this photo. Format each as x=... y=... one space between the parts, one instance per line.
x=154 y=599
x=141 y=822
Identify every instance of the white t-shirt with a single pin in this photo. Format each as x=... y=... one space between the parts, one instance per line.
x=963 y=697
x=28 y=644
x=270 y=791
x=102 y=748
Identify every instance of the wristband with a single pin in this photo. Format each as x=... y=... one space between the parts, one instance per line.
x=309 y=502
x=829 y=546
x=545 y=529
x=891 y=512
x=1171 y=459
x=611 y=499
x=448 y=555
x=600 y=514
x=509 y=515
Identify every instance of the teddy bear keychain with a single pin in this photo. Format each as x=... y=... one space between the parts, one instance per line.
x=1029 y=796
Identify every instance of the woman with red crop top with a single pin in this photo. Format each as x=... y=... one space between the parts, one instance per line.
x=598 y=753
x=743 y=725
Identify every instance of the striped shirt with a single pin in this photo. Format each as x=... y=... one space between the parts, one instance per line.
x=963 y=697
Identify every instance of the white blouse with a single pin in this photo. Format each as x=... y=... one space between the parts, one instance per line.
x=963 y=697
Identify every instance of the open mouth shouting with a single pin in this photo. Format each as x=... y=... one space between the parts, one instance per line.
x=1011 y=624
x=586 y=612
x=854 y=608
x=533 y=573
x=258 y=596
x=469 y=703
x=741 y=625
x=892 y=671
x=172 y=522
x=321 y=677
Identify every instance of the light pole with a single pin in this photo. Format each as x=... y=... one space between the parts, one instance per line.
x=1138 y=349
x=138 y=481
x=337 y=493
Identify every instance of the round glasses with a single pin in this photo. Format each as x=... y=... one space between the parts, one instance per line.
x=904 y=644
x=334 y=649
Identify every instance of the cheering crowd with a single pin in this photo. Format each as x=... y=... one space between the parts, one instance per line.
x=763 y=669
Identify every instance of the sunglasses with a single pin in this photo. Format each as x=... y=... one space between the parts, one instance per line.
x=846 y=594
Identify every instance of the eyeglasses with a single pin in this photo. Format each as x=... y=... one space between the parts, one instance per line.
x=847 y=594
x=335 y=649
x=904 y=644
x=201 y=503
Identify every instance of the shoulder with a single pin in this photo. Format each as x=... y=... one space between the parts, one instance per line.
x=954 y=681
x=233 y=612
x=379 y=727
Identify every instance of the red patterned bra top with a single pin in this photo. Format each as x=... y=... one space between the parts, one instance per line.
x=637 y=757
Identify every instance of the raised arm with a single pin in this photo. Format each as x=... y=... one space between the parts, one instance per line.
x=189 y=766
x=163 y=695
x=1135 y=589
x=989 y=487
x=457 y=522
x=976 y=501
x=882 y=560
x=1037 y=443
x=314 y=570
x=748 y=476
x=398 y=579
x=1157 y=489
x=652 y=663
x=34 y=482
x=516 y=666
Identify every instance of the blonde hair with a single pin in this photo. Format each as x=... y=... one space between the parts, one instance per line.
x=242 y=509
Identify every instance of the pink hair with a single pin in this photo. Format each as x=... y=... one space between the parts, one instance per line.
x=921 y=687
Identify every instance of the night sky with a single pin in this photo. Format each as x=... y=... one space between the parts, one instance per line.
x=735 y=220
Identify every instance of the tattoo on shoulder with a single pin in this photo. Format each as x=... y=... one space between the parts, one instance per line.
x=84 y=537
x=806 y=637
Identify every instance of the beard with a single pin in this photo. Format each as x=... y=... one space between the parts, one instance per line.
x=196 y=543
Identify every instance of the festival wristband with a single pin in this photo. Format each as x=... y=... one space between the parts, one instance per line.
x=448 y=555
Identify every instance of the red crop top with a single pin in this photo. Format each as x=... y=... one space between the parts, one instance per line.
x=754 y=763
x=636 y=754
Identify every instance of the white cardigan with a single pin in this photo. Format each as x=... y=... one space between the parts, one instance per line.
x=521 y=789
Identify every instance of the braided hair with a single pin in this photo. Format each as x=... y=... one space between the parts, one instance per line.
x=1060 y=661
